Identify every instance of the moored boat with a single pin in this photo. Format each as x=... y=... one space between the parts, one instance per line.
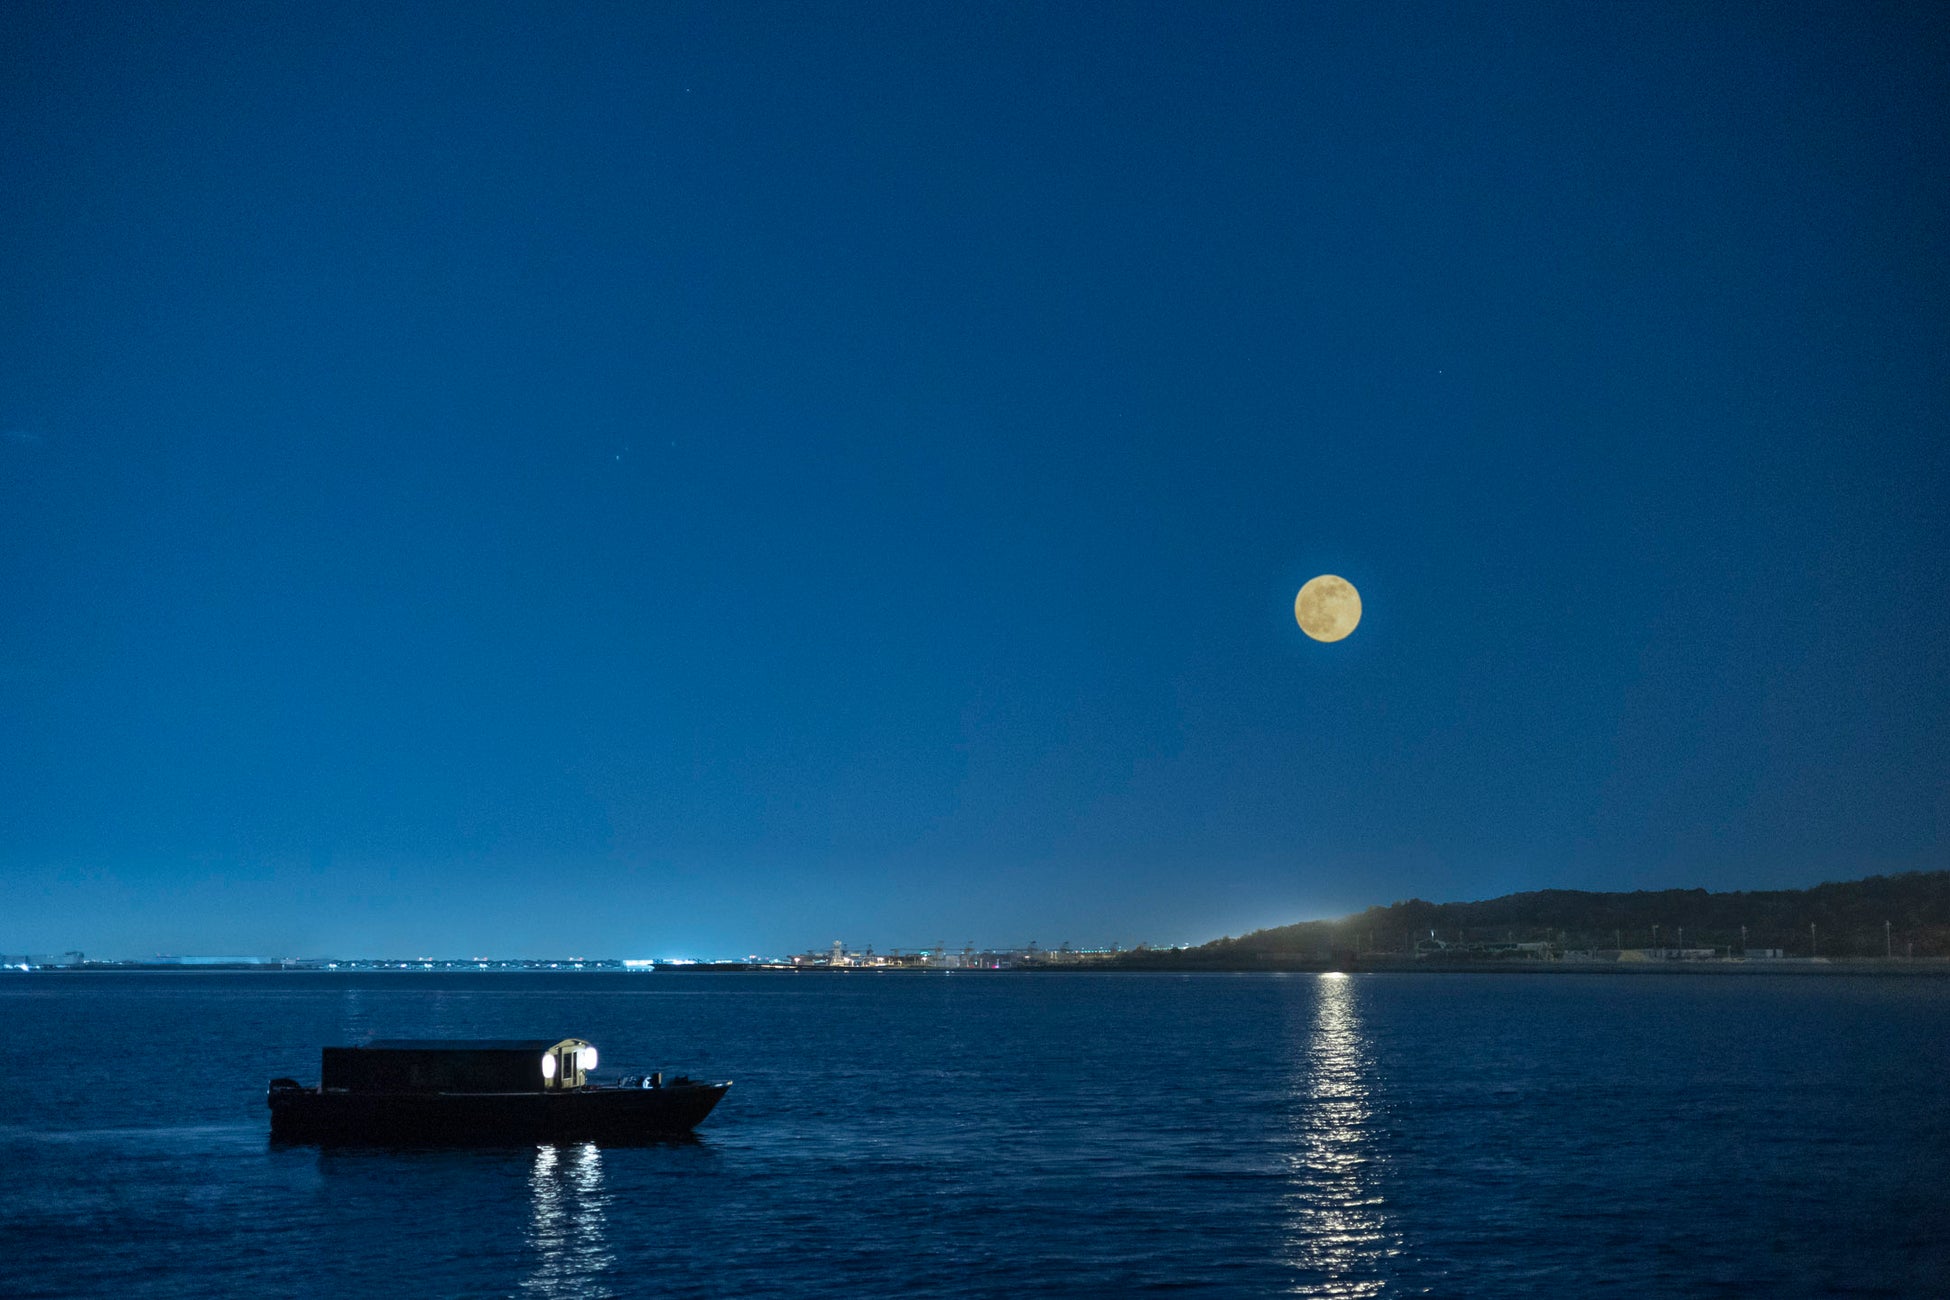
x=482 y=1092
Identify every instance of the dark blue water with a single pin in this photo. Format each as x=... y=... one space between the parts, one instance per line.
x=1010 y=1135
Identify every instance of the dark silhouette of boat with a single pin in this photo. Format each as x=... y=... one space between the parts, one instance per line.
x=481 y=1092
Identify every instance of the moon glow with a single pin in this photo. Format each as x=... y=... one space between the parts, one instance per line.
x=1327 y=608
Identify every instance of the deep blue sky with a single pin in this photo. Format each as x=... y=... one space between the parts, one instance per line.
x=640 y=480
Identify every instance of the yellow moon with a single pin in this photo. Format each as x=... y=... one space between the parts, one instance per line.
x=1327 y=608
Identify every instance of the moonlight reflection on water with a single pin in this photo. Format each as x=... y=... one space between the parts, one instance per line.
x=1338 y=1239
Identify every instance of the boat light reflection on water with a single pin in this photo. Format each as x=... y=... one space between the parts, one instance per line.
x=568 y=1231
x=1337 y=1237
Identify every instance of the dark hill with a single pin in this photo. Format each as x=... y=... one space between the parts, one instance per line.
x=1848 y=918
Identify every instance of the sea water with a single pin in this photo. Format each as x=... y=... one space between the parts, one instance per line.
x=1009 y=1135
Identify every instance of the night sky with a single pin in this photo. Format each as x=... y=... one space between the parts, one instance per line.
x=644 y=480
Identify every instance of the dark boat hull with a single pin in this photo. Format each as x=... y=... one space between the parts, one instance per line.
x=310 y=1115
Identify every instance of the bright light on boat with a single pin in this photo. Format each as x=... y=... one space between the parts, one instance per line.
x=587 y=1058
x=548 y=1065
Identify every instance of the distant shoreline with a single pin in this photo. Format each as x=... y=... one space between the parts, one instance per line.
x=1853 y=967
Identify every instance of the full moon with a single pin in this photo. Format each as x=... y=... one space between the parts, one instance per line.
x=1327 y=608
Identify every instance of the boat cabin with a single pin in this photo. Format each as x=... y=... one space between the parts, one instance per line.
x=458 y=1065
